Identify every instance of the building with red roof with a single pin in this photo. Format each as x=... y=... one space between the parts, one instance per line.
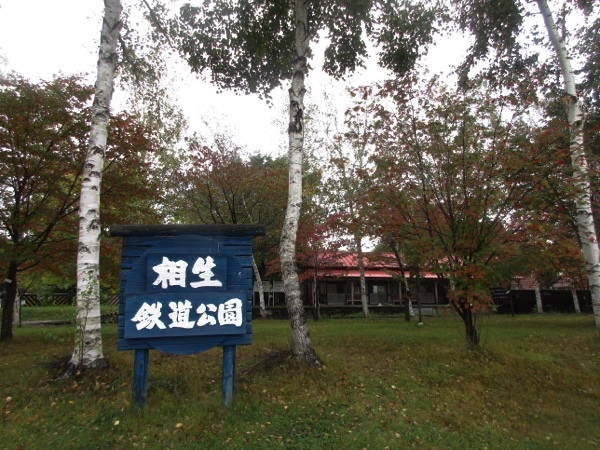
x=335 y=280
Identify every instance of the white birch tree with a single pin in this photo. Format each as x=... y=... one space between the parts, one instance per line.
x=252 y=46
x=349 y=182
x=302 y=346
x=538 y=294
x=88 y=353
x=261 y=290
x=497 y=30
x=576 y=118
x=364 y=296
x=576 y=305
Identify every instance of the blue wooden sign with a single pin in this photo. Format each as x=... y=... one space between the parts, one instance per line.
x=185 y=289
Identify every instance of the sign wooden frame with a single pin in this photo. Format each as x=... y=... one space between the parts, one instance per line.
x=185 y=289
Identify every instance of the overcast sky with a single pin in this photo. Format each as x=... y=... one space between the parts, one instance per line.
x=41 y=38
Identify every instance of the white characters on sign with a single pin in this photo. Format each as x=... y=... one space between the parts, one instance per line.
x=205 y=317
x=203 y=268
x=173 y=273
x=170 y=273
x=227 y=313
x=230 y=312
x=180 y=317
x=148 y=316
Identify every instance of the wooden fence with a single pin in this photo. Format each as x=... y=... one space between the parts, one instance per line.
x=33 y=299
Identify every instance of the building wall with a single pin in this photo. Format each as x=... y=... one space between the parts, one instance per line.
x=385 y=291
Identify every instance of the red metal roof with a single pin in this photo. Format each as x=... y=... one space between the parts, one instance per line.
x=350 y=260
x=369 y=273
x=345 y=265
x=341 y=273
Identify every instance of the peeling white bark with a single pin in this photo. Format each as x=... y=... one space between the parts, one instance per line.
x=538 y=295
x=261 y=291
x=88 y=342
x=575 y=299
x=576 y=118
x=364 y=299
x=301 y=343
x=17 y=310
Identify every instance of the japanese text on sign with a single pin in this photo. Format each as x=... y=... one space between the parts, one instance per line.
x=168 y=314
x=227 y=313
x=173 y=273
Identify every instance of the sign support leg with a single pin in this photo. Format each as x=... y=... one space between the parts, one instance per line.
x=228 y=374
x=140 y=377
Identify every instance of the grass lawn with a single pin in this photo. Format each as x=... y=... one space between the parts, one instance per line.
x=387 y=384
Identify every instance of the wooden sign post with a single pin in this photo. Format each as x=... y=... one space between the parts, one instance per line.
x=185 y=289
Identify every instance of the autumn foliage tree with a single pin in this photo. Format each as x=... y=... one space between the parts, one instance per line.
x=318 y=234
x=216 y=184
x=132 y=193
x=453 y=170
x=42 y=133
x=498 y=37
x=44 y=128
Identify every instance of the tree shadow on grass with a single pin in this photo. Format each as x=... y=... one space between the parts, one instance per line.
x=61 y=368
x=269 y=360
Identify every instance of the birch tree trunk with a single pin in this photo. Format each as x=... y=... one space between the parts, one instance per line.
x=538 y=295
x=361 y=271
x=88 y=340
x=575 y=299
x=17 y=310
x=585 y=219
x=261 y=292
x=301 y=343
x=315 y=294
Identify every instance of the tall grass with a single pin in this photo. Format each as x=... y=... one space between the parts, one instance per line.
x=386 y=384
